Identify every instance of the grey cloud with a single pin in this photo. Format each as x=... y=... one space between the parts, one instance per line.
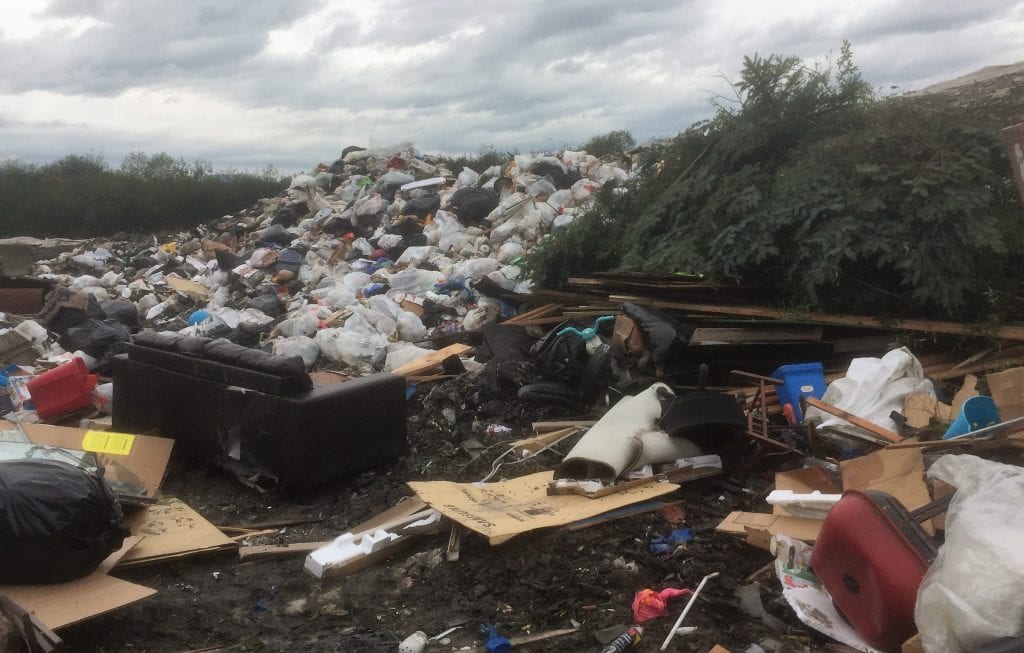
x=529 y=74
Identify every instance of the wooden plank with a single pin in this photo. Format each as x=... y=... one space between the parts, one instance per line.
x=542 y=311
x=541 y=321
x=407 y=507
x=432 y=360
x=272 y=551
x=619 y=513
x=544 y=427
x=1010 y=332
x=741 y=335
x=880 y=431
x=524 y=640
x=455 y=542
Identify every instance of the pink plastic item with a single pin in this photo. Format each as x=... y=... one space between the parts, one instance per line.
x=648 y=604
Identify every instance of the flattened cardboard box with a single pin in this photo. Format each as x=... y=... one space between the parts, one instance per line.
x=506 y=509
x=64 y=604
x=173 y=530
x=759 y=528
x=143 y=466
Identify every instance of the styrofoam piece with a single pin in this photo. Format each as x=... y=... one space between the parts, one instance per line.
x=433 y=518
x=813 y=505
x=345 y=548
x=701 y=461
x=586 y=486
x=423 y=183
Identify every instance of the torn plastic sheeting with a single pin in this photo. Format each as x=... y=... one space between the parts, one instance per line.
x=809 y=600
x=971 y=594
x=872 y=389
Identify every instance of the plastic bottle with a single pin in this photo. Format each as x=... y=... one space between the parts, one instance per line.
x=625 y=641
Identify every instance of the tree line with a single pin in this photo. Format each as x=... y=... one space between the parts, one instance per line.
x=81 y=195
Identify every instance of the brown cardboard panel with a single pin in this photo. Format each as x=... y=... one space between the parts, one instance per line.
x=173 y=530
x=145 y=465
x=899 y=472
x=1007 y=388
x=505 y=509
x=758 y=528
x=802 y=481
x=64 y=604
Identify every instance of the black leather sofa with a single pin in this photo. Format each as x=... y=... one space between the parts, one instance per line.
x=257 y=413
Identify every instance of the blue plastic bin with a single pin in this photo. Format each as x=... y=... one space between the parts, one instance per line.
x=800 y=380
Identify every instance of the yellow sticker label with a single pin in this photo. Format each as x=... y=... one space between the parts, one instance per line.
x=106 y=442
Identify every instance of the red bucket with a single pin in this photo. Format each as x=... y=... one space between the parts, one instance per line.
x=62 y=390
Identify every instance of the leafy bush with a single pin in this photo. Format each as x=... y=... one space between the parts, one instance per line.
x=894 y=206
x=79 y=196
x=616 y=142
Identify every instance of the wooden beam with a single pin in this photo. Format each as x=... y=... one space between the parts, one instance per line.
x=880 y=431
x=544 y=427
x=1012 y=332
x=432 y=360
x=272 y=552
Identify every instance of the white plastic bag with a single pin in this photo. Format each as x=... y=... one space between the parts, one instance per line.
x=298 y=346
x=467 y=178
x=971 y=595
x=415 y=281
x=352 y=347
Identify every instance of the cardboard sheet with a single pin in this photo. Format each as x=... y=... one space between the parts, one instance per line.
x=899 y=472
x=919 y=408
x=173 y=530
x=69 y=603
x=1007 y=390
x=142 y=467
x=802 y=481
x=759 y=528
x=502 y=510
x=64 y=604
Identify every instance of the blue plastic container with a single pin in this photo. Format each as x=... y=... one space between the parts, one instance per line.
x=976 y=413
x=799 y=380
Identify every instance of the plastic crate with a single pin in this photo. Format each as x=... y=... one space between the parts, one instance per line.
x=799 y=380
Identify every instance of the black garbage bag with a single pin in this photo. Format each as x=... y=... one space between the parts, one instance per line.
x=472 y=205
x=664 y=336
x=123 y=311
x=57 y=522
x=422 y=206
x=275 y=234
x=95 y=337
x=561 y=358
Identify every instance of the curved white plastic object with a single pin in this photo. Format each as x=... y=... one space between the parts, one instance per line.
x=611 y=446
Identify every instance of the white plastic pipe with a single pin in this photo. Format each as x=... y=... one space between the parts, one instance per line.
x=689 y=604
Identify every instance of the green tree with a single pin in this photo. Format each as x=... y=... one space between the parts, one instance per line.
x=613 y=143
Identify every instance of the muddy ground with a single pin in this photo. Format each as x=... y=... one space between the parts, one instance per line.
x=537 y=582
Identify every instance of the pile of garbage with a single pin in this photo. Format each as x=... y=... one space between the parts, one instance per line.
x=359 y=265
x=811 y=477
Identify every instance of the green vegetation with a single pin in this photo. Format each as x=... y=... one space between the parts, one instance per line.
x=486 y=157
x=79 y=196
x=613 y=143
x=895 y=206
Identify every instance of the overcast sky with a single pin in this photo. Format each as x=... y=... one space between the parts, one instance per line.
x=247 y=83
